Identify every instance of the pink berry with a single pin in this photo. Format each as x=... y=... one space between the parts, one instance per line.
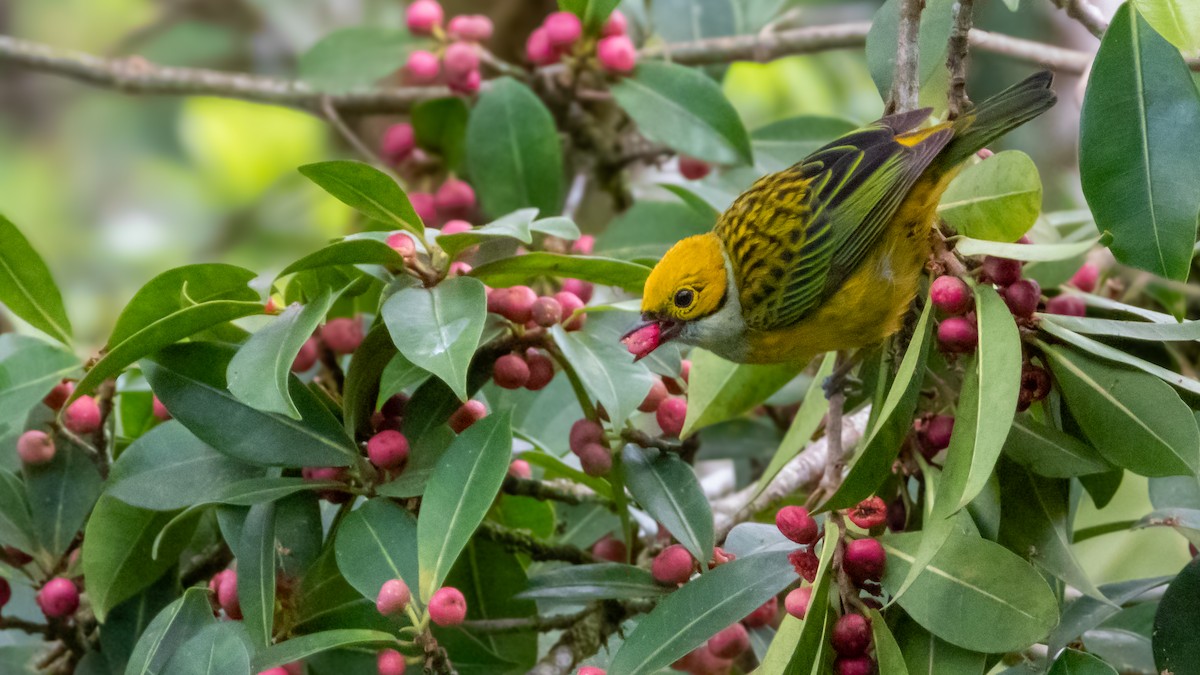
x=422 y=67
x=617 y=54
x=570 y=304
x=388 y=449
x=538 y=49
x=510 y=371
x=730 y=642
x=616 y=24
x=518 y=307
x=306 y=358
x=159 y=410
x=582 y=289
x=321 y=473
x=870 y=512
x=547 y=311
x=692 y=168
x=851 y=635
x=796 y=524
x=563 y=29
x=390 y=662
x=864 y=560
x=1001 y=271
x=58 y=598
x=454 y=198
x=1066 y=305
x=460 y=59
x=459 y=269
x=277 y=670
x=796 y=603
x=935 y=433
x=423 y=205
x=393 y=597
x=519 y=468
x=402 y=243
x=674 y=565
x=541 y=370
x=467 y=84
x=583 y=432
x=35 y=447
x=422 y=16
x=398 y=142
x=591 y=670
x=763 y=615
x=456 y=227
x=950 y=294
x=58 y=395
x=670 y=415
x=1086 y=277
x=584 y=245
x=658 y=394
x=447 y=607
x=957 y=335
x=984 y=153
x=805 y=562
x=469 y=413
x=610 y=549
x=1022 y=298
x=477 y=28
x=342 y=335
x=595 y=459
x=857 y=665
x=82 y=416
x=227 y=595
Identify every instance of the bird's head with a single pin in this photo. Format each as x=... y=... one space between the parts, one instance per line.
x=687 y=285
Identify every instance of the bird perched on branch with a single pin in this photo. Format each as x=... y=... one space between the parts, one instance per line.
x=827 y=254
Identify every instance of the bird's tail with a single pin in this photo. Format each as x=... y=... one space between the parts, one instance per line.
x=997 y=116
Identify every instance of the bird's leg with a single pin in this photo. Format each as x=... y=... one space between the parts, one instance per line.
x=836 y=382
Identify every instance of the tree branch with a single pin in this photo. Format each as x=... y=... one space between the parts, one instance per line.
x=1085 y=13
x=536 y=548
x=906 y=79
x=956 y=55
x=541 y=624
x=566 y=492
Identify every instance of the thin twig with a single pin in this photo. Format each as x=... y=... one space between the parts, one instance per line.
x=566 y=492
x=540 y=624
x=330 y=113
x=1086 y=14
x=906 y=79
x=536 y=548
x=13 y=623
x=956 y=55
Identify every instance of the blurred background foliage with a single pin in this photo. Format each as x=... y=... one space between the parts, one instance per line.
x=114 y=189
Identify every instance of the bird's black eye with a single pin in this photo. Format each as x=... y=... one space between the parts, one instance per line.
x=684 y=297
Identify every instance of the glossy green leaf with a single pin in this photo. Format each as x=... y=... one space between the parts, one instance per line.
x=368 y=191
x=61 y=494
x=882 y=39
x=16 y=523
x=689 y=616
x=180 y=288
x=888 y=656
x=465 y=482
x=592 y=12
x=516 y=225
x=130 y=619
x=667 y=488
x=601 y=581
x=1074 y=662
x=798 y=643
x=531 y=266
x=1132 y=330
x=303 y=646
x=781 y=144
x=1028 y=252
x=1085 y=613
x=514 y=155
x=375 y=543
x=29 y=369
x=1126 y=650
x=117 y=544
x=439 y=327
x=648 y=228
x=26 y=287
x=256 y=572
x=803 y=425
x=360 y=251
x=607 y=370
x=985 y=407
x=1104 y=351
x=360 y=391
x=1001 y=606
x=190 y=380
x=684 y=109
x=1176 y=20
x=1176 y=623
x=1133 y=419
x=925 y=654
x=1175 y=492
x=1049 y=452
x=267 y=489
x=440 y=126
x=173 y=626
x=997 y=199
x=219 y=649
x=556 y=468
x=873 y=462
x=719 y=390
x=1133 y=161
x=557 y=226
x=354 y=58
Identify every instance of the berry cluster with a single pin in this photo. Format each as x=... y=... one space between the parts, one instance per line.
x=339 y=336
x=561 y=35
x=447 y=607
x=455 y=59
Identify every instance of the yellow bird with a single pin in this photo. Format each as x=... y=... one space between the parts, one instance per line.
x=827 y=254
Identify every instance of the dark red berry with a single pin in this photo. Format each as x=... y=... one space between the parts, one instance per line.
x=950 y=294
x=864 y=560
x=870 y=512
x=673 y=565
x=1066 y=305
x=1023 y=297
x=805 y=562
x=1001 y=271
x=957 y=335
x=851 y=635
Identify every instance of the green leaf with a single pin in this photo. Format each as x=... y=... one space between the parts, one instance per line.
x=376 y=543
x=925 y=654
x=1175 y=492
x=525 y=268
x=985 y=407
x=27 y=288
x=998 y=199
x=803 y=426
x=515 y=225
x=514 y=155
x=1176 y=20
x=873 y=463
x=1001 y=606
x=883 y=36
x=130 y=619
x=1176 y=622
x=1182 y=331
x=557 y=226
x=648 y=228
x=117 y=545
x=684 y=109
x=667 y=488
x=256 y=572
x=1028 y=252
x=360 y=392
x=688 y=20
x=719 y=390
x=592 y=12
x=260 y=374
x=466 y=480
x=358 y=251
x=780 y=144
x=1086 y=613
x=606 y=369
x=261 y=490
x=888 y=655
x=1104 y=351
x=219 y=649
x=440 y=126
x=29 y=369
x=16 y=523
x=1049 y=452
x=168 y=631
x=439 y=327
x=1132 y=158
x=1073 y=662
x=368 y=191
x=180 y=288
x=1134 y=420
x=354 y=58
x=689 y=616
x=190 y=380
x=303 y=646
x=61 y=494
x=798 y=645
x=601 y=581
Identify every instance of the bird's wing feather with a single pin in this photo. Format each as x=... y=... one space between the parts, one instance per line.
x=795 y=236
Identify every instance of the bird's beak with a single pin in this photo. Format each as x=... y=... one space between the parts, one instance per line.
x=650 y=335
